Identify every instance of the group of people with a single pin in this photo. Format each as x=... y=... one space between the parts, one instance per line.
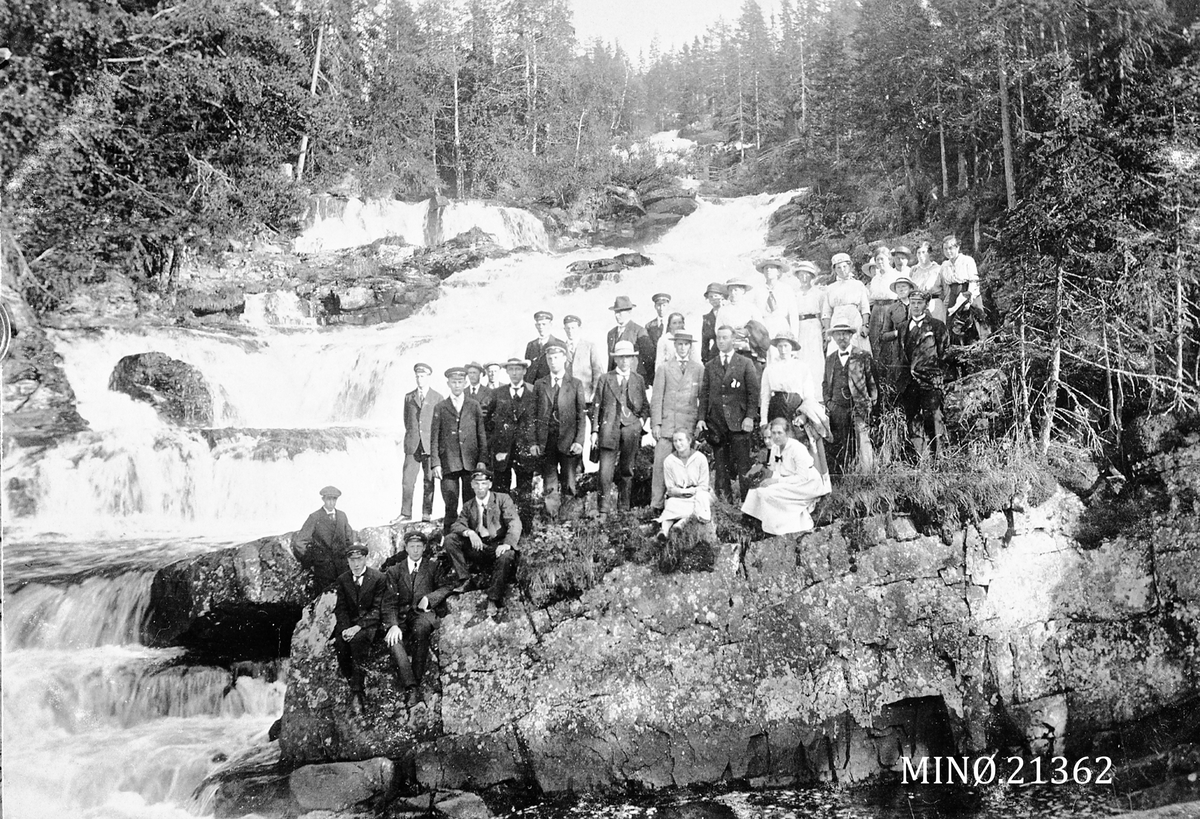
x=780 y=360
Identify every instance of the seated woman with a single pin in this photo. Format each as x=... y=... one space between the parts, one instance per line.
x=686 y=474
x=784 y=500
x=787 y=391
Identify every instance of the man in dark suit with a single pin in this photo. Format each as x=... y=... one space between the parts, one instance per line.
x=923 y=342
x=360 y=593
x=728 y=413
x=486 y=531
x=476 y=389
x=716 y=295
x=416 y=589
x=418 y=444
x=535 y=351
x=618 y=413
x=512 y=431
x=561 y=423
x=321 y=543
x=635 y=334
x=459 y=443
x=656 y=325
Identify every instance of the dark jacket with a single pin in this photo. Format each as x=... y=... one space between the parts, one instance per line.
x=459 y=440
x=535 y=352
x=729 y=394
x=501 y=522
x=606 y=411
x=571 y=413
x=654 y=329
x=405 y=590
x=321 y=543
x=359 y=606
x=512 y=423
x=853 y=384
x=646 y=351
x=418 y=421
x=922 y=351
x=708 y=336
x=483 y=397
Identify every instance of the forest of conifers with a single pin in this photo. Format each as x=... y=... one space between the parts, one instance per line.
x=1061 y=137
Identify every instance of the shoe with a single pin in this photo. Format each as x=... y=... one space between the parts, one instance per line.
x=402 y=518
x=493 y=611
x=358 y=703
x=425 y=518
x=413 y=698
x=462 y=587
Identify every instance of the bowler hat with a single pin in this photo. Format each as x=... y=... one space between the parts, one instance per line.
x=903 y=280
x=422 y=367
x=622 y=303
x=453 y=371
x=718 y=288
x=543 y=314
x=568 y=319
x=331 y=492
x=788 y=337
x=358 y=549
x=517 y=362
x=683 y=336
x=623 y=348
x=657 y=297
x=838 y=258
x=414 y=536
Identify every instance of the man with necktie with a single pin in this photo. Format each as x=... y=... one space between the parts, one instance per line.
x=512 y=431
x=418 y=445
x=618 y=413
x=657 y=325
x=674 y=405
x=729 y=402
x=416 y=591
x=923 y=344
x=459 y=442
x=850 y=395
x=486 y=533
x=360 y=593
x=636 y=335
x=716 y=295
x=321 y=543
x=476 y=389
x=561 y=423
x=535 y=351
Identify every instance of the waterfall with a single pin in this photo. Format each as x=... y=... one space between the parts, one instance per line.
x=277 y=308
x=97 y=611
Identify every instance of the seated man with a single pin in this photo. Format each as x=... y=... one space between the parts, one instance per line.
x=487 y=531
x=359 y=595
x=416 y=588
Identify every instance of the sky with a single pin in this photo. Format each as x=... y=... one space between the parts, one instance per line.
x=635 y=22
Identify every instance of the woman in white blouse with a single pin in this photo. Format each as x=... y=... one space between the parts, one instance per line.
x=784 y=500
x=788 y=390
x=685 y=472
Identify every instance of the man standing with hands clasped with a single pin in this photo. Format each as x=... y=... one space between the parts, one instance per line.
x=486 y=532
x=416 y=588
x=561 y=423
x=729 y=403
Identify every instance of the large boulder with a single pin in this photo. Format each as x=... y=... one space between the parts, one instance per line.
x=340 y=785
x=176 y=389
x=790 y=223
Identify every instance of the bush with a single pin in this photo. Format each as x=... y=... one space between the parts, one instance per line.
x=690 y=547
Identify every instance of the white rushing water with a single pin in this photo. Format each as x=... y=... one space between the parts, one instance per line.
x=97 y=725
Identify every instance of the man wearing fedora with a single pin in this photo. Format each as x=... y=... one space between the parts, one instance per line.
x=923 y=342
x=657 y=325
x=535 y=351
x=674 y=405
x=850 y=394
x=486 y=532
x=561 y=423
x=512 y=431
x=360 y=592
x=729 y=399
x=321 y=543
x=418 y=444
x=459 y=442
x=618 y=413
x=716 y=295
x=635 y=334
x=476 y=388
x=415 y=596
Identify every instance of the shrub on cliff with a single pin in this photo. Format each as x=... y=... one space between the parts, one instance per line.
x=562 y=561
x=690 y=547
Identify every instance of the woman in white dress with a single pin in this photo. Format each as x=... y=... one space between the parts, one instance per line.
x=685 y=472
x=846 y=290
x=927 y=276
x=666 y=344
x=785 y=499
x=808 y=318
x=787 y=391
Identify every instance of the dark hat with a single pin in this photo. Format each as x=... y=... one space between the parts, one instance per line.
x=421 y=366
x=543 y=314
x=453 y=371
x=414 y=535
x=358 y=549
x=717 y=287
x=918 y=293
x=482 y=473
x=682 y=336
x=475 y=365
x=516 y=362
x=554 y=345
x=657 y=297
x=622 y=303
x=331 y=491
x=902 y=250
x=569 y=319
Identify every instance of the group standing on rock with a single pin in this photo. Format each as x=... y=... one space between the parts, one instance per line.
x=796 y=367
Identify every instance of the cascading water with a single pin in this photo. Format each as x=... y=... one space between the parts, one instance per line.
x=96 y=724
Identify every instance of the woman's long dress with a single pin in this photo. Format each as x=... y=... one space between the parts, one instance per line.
x=812 y=340
x=680 y=474
x=785 y=507
x=928 y=279
x=847 y=291
x=882 y=298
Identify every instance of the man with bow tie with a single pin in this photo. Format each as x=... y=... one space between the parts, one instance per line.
x=674 y=405
x=360 y=594
x=459 y=442
x=486 y=533
x=729 y=403
x=418 y=445
x=416 y=590
x=321 y=543
x=923 y=346
x=850 y=392
x=617 y=415
x=561 y=423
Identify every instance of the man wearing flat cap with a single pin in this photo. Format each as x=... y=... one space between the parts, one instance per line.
x=657 y=325
x=617 y=416
x=485 y=533
x=674 y=405
x=512 y=432
x=535 y=351
x=418 y=444
x=635 y=334
x=561 y=423
x=360 y=592
x=475 y=388
x=459 y=442
x=321 y=543
x=716 y=295
x=417 y=589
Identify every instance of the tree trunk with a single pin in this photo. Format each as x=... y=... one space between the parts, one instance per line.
x=312 y=90
x=1025 y=419
x=579 y=135
x=458 y=165
x=803 y=92
x=1050 y=399
x=1180 y=315
x=942 y=147
x=1010 y=182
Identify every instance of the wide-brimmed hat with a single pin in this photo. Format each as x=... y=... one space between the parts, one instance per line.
x=516 y=362
x=623 y=348
x=902 y=250
x=838 y=258
x=330 y=492
x=780 y=264
x=806 y=267
x=657 y=297
x=718 y=288
x=788 y=337
x=491 y=364
x=738 y=281
x=902 y=279
x=846 y=317
x=622 y=303
x=543 y=314
x=683 y=336
x=453 y=371
x=474 y=365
